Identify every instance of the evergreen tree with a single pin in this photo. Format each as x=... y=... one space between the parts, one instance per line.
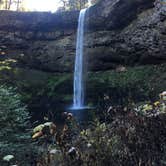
x=13 y=115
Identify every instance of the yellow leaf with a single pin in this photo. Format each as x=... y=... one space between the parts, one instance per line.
x=38 y=128
x=36 y=135
x=157 y=103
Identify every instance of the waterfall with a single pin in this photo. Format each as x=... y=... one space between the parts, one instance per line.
x=78 y=98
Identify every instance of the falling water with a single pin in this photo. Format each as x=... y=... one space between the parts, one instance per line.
x=78 y=99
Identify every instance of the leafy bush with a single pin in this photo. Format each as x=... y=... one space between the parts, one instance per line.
x=128 y=136
x=14 y=121
x=98 y=145
x=13 y=114
x=153 y=109
x=14 y=134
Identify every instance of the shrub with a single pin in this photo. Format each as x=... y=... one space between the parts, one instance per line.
x=13 y=114
x=14 y=121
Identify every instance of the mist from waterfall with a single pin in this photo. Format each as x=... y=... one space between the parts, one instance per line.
x=78 y=98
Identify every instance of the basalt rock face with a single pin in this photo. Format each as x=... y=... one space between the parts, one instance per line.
x=39 y=40
x=118 y=32
x=116 y=14
x=142 y=42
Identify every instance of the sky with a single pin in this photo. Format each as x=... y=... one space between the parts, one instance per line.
x=43 y=5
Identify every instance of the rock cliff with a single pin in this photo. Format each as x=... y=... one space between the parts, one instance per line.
x=118 y=32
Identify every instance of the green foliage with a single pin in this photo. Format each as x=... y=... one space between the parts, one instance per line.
x=153 y=109
x=130 y=139
x=14 y=122
x=51 y=92
x=13 y=114
x=44 y=93
x=122 y=139
x=99 y=146
x=136 y=84
x=59 y=83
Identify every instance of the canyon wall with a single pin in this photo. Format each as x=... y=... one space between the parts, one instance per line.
x=118 y=32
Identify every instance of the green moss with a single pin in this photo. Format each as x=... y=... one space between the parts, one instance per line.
x=52 y=92
x=43 y=92
x=61 y=83
x=136 y=84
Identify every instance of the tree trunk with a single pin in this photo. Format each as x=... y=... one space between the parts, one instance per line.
x=9 y=4
x=6 y=4
x=18 y=4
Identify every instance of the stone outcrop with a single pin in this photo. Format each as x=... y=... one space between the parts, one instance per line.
x=118 y=32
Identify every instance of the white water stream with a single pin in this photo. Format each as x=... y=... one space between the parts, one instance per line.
x=78 y=98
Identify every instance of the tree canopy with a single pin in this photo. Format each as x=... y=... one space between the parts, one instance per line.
x=20 y=5
x=9 y=4
x=74 y=4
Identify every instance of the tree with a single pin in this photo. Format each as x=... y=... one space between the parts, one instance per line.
x=1 y=3
x=74 y=4
x=13 y=114
x=14 y=4
x=5 y=4
x=77 y=4
x=15 y=136
x=64 y=2
x=18 y=4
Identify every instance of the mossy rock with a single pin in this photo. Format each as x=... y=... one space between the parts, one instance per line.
x=134 y=85
x=46 y=93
